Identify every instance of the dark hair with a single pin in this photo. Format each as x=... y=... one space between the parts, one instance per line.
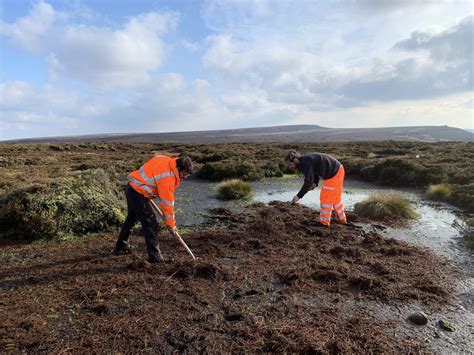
x=184 y=163
x=292 y=155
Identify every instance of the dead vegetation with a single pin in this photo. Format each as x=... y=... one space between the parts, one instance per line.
x=268 y=280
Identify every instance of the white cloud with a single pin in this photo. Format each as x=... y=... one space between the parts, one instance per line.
x=191 y=46
x=103 y=57
x=285 y=74
x=223 y=15
x=378 y=6
x=450 y=110
x=28 y=110
x=14 y=93
x=446 y=68
x=166 y=103
x=453 y=44
x=30 y=32
x=110 y=58
x=18 y=95
x=295 y=73
x=246 y=103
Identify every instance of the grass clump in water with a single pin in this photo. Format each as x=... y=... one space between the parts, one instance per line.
x=386 y=205
x=440 y=192
x=233 y=190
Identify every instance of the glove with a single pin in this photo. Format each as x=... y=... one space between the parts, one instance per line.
x=173 y=231
x=295 y=200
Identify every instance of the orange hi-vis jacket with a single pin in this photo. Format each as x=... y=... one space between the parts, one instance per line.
x=158 y=177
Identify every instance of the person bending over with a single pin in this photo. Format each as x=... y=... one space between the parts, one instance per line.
x=315 y=166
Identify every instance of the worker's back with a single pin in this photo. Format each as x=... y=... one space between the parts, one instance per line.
x=322 y=165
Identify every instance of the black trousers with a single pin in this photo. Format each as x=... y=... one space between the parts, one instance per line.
x=139 y=209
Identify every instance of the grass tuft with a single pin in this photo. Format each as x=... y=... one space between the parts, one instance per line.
x=386 y=205
x=440 y=192
x=234 y=189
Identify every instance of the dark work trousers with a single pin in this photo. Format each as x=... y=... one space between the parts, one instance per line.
x=139 y=209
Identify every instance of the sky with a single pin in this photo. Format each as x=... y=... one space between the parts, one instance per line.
x=71 y=67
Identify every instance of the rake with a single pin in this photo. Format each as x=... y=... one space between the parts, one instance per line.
x=176 y=234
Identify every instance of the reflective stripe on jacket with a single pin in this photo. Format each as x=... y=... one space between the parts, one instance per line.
x=158 y=177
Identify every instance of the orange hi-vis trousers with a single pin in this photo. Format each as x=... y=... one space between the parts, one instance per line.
x=331 y=198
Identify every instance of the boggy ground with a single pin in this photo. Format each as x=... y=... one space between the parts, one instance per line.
x=269 y=279
x=409 y=164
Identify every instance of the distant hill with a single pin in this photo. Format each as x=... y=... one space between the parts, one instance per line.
x=470 y=130
x=295 y=133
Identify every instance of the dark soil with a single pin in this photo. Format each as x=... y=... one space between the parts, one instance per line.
x=270 y=279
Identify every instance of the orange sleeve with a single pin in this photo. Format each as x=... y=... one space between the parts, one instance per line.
x=165 y=189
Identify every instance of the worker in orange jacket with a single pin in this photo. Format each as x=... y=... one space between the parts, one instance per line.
x=158 y=179
x=315 y=166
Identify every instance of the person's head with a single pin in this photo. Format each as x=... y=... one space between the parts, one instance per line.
x=184 y=165
x=292 y=160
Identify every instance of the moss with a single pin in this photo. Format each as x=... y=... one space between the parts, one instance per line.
x=386 y=205
x=439 y=192
x=71 y=206
x=233 y=190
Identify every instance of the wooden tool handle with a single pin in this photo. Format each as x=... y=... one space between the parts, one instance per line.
x=176 y=234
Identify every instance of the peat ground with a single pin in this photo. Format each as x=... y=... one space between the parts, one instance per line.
x=269 y=279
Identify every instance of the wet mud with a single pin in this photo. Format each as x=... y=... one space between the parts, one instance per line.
x=267 y=279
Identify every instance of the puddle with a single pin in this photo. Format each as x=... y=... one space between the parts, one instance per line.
x=194 y=197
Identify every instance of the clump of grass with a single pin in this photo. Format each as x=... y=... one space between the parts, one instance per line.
x=440 y=192
x=386 y=205
x=234 y=189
